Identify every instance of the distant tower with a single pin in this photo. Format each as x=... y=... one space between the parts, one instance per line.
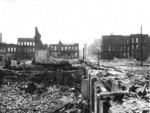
x=0 y=37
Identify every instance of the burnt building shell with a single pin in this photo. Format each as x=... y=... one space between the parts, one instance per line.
x=12 y=50
x=26 y=48
x=38 y=42
x=3 y=48
x=8 y=49
x=66 y=51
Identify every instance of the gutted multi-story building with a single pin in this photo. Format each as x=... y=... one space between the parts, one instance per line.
x=8 y=49
x=23 y=50
x=12 y=50
x=66 y=51
x=26 y=48
x=3 y=48
x=125 y=46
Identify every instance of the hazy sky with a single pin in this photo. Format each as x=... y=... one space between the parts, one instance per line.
x=70 y=21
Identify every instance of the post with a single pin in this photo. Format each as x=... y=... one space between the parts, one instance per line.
x=95 y=98
x=98 y=57
x=83 y=53
x=67 y=53
x=101 y=106
x=89 y=75
x=91 y=88
x=141 y=47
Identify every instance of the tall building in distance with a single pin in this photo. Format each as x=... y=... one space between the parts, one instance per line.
x=120 y=46
x=0 y=37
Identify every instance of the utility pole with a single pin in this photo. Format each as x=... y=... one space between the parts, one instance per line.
x=89 y=101
x=83 y=53
x=99 y=48
x=98 y=56
x=141 y=47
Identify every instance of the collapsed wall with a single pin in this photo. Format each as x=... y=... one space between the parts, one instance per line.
x=40 y=56
x=37 y=38
x=43 y=56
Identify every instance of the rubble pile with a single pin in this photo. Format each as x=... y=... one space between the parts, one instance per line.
x=43 y=89
x=129 y=76
x=38 y=89
x=130 y=105
x=54 y=99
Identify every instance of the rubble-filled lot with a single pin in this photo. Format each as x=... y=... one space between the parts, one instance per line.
x=39 y=91
x=54 y=98
x=13 y=100
x=138 y=85
x=130 y=105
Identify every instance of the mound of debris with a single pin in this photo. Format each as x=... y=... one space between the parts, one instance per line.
x=53 y=99
x=130 y=105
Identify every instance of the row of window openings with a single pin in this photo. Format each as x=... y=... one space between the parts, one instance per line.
x=125 y=42
x=26 y=43
x=2 y=55
x=14 y=49
x=128 y=54
x=64 y=48
x=121 y=48
x=56 y=54
x=2 y=50
x=11 y=49
x=134 y=40
x=26 y=49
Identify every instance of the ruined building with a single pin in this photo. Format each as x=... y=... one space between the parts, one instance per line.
x=26 y=48
x=3 y=48
x=8 y=49
x=37 y=38
x=66 y=51
x=12 y=50
x=125 y=46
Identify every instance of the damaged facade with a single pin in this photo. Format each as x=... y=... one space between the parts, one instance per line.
x=66 y=51
x=3 y=48
x=26 y=47
x=23 y=50
x=38 y=42
x=8 y=49
x=125 y=46
x=12 y=50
